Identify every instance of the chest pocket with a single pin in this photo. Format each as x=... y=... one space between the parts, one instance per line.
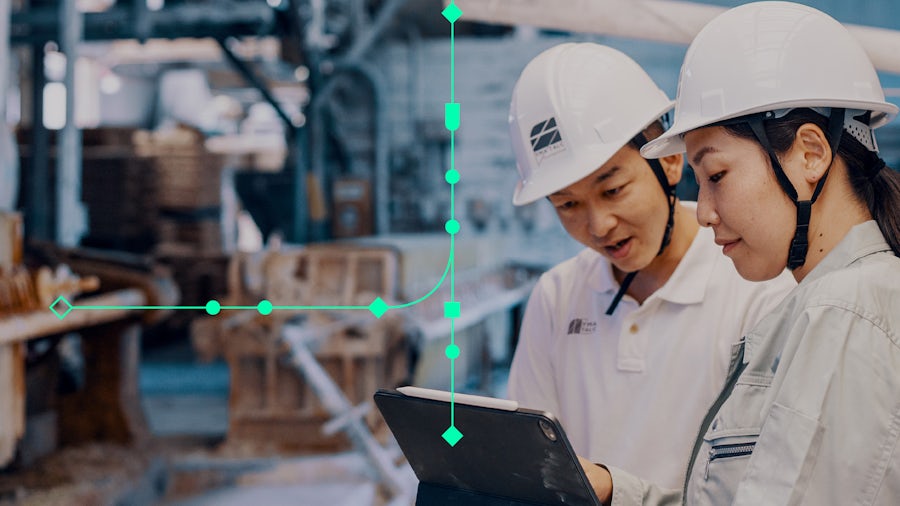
x=724 y=457
x=729 y=443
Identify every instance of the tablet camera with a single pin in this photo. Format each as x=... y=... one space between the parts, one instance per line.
x=547 y=430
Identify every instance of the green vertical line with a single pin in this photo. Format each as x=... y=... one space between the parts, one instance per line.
x=452 y=56
x=452 y=270
x=452 y=382
x=452 y=157
x=452 y=237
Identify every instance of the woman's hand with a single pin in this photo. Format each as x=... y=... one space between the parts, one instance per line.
x=600 y=479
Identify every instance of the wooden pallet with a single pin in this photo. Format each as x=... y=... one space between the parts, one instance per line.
x=270 y=402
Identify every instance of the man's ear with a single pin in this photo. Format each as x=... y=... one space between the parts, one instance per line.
x=673 y=165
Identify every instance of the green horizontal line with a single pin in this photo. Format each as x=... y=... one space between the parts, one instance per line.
x=319 y=307
x=138 y=307
x=221 y=308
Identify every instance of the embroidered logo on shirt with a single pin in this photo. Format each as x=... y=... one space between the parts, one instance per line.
x=580 y=326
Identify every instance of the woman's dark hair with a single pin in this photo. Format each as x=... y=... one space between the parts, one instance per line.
x=881 y=193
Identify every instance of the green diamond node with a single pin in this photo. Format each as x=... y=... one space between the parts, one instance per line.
x=65 y=303
x=452 y=13
x=378 y=307
x=452 y=436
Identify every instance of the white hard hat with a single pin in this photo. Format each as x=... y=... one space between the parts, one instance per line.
x=767 y=56
x=573 y=107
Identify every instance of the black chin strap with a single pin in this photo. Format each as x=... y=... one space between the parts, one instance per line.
x=800 y=242
x=669 y=190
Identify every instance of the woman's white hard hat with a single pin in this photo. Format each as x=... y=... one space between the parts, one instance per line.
x=768 y=56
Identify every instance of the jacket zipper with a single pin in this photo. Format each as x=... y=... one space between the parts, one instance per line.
x=735 y=369
x=725 y=451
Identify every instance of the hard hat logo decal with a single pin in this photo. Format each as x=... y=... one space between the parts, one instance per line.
x=546 y=139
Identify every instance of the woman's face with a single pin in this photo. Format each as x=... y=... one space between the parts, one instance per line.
x=741 y=200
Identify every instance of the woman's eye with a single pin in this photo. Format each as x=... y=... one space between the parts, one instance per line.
x=716 y=177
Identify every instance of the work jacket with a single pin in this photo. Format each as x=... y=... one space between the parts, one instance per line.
x=811 y=412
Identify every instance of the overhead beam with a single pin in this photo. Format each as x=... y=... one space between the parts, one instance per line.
x=669 y=21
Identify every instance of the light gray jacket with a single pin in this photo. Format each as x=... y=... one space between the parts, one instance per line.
x=814 y=417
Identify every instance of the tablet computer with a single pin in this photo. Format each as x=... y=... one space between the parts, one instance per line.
x=506 y=455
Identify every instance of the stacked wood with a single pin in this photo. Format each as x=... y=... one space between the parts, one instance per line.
x=119 y=190
x=188 y=181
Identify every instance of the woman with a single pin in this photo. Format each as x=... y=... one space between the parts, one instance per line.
x=775 y=109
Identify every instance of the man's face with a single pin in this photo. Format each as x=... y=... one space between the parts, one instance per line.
x=619 y=210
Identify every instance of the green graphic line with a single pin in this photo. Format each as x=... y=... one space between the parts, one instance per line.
x=429 y=294
x=314 y=308
x=378 y=307
x=452 y=375
x=452 y=56
x=452 y=267
x=145 y=308
x=452 y=435
x=151 y=308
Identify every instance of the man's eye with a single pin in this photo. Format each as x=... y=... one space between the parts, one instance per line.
x=563 y=206
x=716 y=177
x=614 y=191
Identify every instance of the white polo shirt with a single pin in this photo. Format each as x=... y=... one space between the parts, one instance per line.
x=631 y=389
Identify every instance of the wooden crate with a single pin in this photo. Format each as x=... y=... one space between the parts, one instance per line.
x=272 y=406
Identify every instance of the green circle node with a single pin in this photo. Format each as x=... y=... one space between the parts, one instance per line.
x=213 y=307
x=452 y=351
x=264 y=307
x=452 y=176
x=452 y=227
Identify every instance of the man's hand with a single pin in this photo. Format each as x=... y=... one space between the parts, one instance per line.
x=600 y=479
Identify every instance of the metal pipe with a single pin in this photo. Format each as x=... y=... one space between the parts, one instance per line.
x=660 y=20
x=336 y=403
x=22 y=327
x=38 y=208
x=69 y=211
x=377 y=27
x=4 y=55
x=251 y=77
x=177 y=21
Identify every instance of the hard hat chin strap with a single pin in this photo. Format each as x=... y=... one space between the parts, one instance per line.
x=800 y=242
x=669 y=190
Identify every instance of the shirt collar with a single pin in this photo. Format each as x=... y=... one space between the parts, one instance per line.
x=686 y=285
x=862 y=240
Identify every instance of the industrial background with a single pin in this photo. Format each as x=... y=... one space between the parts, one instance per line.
x=172 y=153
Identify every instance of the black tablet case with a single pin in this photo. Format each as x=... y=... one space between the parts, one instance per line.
x=505 y=458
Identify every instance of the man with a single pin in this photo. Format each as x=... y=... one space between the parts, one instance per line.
x=618 y=341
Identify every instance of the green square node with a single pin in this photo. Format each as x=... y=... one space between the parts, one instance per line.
x=451 y=310
x=65 y=302
x=452 y=436
x=452 y=12
x=378 y=307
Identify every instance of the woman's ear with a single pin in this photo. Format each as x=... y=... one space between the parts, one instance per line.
x=812 y=151
x=672 y=165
